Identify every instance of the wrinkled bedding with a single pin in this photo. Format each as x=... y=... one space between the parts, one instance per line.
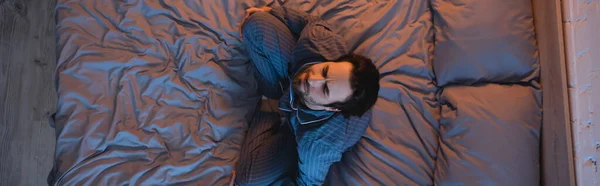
x=150 y=92
x=160 y=92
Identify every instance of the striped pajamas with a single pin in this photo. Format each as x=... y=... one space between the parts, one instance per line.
x=268 y=153
x=302 y=149
x=269 y=44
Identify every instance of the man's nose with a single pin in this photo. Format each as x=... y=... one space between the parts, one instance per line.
x=316 y=81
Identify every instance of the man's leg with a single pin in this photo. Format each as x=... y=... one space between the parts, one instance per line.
x=268 y=153
x=269 y=43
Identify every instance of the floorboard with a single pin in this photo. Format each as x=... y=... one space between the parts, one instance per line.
x=27 y=95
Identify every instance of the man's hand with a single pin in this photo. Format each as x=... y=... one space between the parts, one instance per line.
x=254 y=10
x=270 y=105
x=250 y=11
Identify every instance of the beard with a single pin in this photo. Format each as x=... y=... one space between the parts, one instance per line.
x=300 y=82
x=297 y=82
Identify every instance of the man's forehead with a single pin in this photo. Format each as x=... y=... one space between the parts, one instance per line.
x=340 y=90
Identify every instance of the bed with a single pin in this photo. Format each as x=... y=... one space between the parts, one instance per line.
x=159 y=92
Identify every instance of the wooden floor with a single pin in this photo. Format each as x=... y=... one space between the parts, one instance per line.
x=27 y=94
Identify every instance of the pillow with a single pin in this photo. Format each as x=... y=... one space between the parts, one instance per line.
x=489 y=135
x=484 y=41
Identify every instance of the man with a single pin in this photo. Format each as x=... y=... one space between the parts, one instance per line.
x=323 y=91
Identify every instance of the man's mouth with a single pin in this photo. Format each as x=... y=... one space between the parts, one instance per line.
x=305 y=83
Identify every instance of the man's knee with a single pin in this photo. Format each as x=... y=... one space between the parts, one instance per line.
x=257 y=23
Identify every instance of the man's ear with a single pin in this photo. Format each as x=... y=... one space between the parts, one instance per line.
x=332 y=109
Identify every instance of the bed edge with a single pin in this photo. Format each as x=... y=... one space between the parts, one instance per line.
x=557 y=165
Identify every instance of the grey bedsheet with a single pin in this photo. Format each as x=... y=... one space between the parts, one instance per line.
x=150 y=92
x=489 y=136
x=160 y=91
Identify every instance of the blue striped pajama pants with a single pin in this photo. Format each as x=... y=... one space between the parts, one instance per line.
x=268 y=153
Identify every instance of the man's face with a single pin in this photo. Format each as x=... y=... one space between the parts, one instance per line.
x=322 y=84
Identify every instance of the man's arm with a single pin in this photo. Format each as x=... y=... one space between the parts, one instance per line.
x=314 y=160
x=318 y=148
x=317 y=39
x=294 y=19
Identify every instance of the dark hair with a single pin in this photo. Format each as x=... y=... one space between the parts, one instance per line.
x=364 y=82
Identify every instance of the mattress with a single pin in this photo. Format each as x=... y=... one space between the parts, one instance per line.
x=160 y=92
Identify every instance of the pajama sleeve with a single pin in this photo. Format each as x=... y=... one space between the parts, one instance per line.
x=294 y=19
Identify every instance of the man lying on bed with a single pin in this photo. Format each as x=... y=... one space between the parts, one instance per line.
x=323 y=90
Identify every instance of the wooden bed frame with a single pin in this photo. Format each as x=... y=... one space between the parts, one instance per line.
x=557 y=164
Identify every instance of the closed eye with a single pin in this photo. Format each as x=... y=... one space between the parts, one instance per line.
x=326 y=89
x=324 y=73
